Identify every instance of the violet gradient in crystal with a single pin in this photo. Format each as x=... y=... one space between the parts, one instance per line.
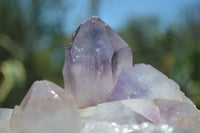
x=146 y=82
x=93 y=62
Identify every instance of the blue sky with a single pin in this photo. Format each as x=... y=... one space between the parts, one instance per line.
x=117 y=13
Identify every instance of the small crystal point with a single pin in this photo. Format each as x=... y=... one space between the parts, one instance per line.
x=46 y=108
x=93 y=61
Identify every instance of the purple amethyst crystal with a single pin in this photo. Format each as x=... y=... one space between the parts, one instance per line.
x=93 y=62
x=179 y=114
x=144 y=81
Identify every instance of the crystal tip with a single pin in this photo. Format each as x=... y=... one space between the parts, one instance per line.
x=93 y=19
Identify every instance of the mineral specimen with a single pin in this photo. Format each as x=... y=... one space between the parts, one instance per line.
x=93 y=62
x=46 y=108
x=98 y=71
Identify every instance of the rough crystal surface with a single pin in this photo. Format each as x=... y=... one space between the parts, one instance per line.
x=144 y=81
x=123 y=112
x=5 y=115
x=4 y=126
x=111 y=127
x=93 y=61
x=46 y=109
x=141 y=115
x=179 y=114
x=132 y=116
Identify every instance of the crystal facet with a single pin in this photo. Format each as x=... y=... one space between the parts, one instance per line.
x=144 y=81
x=141 y=115
x=179 y=114
x=93 y=61
x=5 y=115
x=123 y=112
x=45 y=107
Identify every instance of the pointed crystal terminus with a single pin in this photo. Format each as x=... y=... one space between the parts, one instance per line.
x=144 y=81
x=93 y=62
x=46 y=108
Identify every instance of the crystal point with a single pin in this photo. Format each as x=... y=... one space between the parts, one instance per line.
x=144 y=81
x=93 y=62
x=44 y=105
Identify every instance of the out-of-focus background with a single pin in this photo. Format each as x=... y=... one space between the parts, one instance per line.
x=35 y=33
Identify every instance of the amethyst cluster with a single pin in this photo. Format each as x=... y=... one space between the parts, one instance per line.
x=98 y=68
x=94 y=61
x=103 y=93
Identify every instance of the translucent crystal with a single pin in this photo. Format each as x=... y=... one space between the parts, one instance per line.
x=144 y=81
x=93 y=61
x=46 y=108
x=174 y=108
x=5 y=115
x=130 y=116
x=4 y=126
x=179 y=114
x=123 y=112
x=141 y=115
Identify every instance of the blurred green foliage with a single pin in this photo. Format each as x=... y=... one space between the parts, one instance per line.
x=32 y=46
